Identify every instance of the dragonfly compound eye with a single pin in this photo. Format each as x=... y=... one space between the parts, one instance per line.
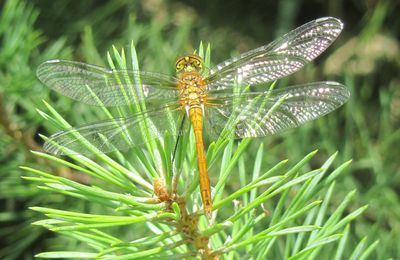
x=197 y=64
x=179 y=65
x=196 y=61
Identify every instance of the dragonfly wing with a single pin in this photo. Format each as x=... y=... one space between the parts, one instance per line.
x=260 y=114
x=116 y=134
x=279 y=58
x=99 y=86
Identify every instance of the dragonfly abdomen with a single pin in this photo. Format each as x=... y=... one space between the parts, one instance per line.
x=196 y=118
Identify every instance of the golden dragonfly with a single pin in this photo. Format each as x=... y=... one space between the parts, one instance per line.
x=208 y=101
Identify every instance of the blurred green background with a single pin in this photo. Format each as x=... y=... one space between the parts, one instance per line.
x=366 y=58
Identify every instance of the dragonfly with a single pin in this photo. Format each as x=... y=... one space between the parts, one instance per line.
x=230 y=92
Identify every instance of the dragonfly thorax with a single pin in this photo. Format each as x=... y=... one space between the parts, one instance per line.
x=192 y=89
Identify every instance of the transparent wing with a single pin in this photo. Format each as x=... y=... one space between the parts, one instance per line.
x=116 y=134
x=259 y=114
x=279 y=58
x=91 y=84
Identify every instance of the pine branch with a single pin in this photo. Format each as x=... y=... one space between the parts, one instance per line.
x=145 y=192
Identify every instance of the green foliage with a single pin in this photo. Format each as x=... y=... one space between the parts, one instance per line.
x=306 y=208
x=297 y=199
x=18 y=120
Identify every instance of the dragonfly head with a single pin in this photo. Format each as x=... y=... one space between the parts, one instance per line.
x=188 y=63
